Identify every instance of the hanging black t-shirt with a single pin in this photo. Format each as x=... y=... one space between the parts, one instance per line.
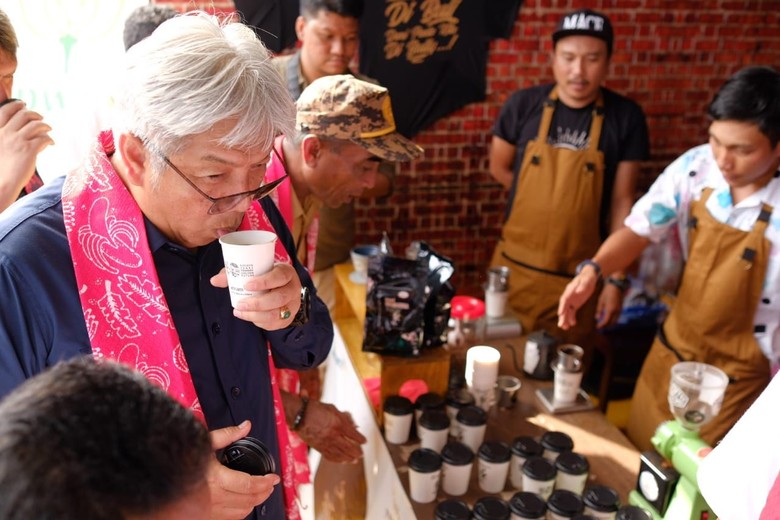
x=272 y=20
x=624 y=135
x=431 y=56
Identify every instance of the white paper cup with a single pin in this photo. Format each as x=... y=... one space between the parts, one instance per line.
x=455 y=479
x=539 y=476
x=397 y=419
x=247 y=254
x=456 y=400
x=433 y=429
x=457 y=461
x=424 y=474
x=493 y=466
x=572 y=472
x=566 y=386
x=471 y=425
x=523 y=447
x=360 y=256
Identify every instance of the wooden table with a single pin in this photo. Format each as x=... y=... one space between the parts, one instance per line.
x=614 y=461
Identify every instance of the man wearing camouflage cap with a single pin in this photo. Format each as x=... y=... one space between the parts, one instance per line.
x=344 y=127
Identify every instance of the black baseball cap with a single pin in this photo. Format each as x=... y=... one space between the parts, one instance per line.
x=585 y=23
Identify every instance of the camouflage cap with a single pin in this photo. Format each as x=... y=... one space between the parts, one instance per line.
x=344 y=107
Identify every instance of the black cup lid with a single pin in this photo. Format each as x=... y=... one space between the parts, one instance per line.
x=452 y=509
x=429 y=401
x=539 y=468
x=557 y=441
x=471 y=416
x=397 y=405
x=583 y=516
x=459 y=398
x=457 y=454
x=527 y=505
x=435 y=420
x=491 y=508
x=572 y=463
x=525 y=446
x=603 y=499
x=424 y=460
x=633 y=513
x=565 y=502
x=495 y=451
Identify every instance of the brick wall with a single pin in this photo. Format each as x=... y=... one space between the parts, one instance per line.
x=670 y=56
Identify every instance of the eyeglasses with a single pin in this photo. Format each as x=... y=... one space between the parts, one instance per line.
x=228 y=202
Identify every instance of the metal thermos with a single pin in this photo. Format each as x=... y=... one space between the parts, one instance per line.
x=498 y=279
x=540 y=350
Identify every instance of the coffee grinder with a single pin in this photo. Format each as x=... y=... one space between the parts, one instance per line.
x=667 y=485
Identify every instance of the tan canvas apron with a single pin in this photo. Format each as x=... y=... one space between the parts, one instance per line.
x=552 y=226
x=711 y=321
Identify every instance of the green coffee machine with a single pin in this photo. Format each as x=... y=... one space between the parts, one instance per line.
x=667 y=484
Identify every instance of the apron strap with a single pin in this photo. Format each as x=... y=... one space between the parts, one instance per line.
x=597 y=121
x=756 y=236
x=547 y=114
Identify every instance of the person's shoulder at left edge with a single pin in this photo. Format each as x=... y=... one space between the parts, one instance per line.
x=50 y=194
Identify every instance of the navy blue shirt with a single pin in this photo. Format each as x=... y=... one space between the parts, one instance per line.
x=42 y=322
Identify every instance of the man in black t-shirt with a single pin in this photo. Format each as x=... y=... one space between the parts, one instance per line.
x=569 y=153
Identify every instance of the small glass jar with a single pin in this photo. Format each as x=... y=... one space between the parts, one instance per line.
x=467 y=315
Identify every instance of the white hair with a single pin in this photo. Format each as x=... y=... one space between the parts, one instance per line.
x=195 y=71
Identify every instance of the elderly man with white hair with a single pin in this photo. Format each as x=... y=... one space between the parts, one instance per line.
x=120 y=259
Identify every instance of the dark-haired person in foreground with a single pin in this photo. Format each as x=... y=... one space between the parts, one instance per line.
x=97 y=440
x=722 y=197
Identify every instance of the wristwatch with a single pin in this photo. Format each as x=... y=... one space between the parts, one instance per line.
x=302 y=316
x=621 y=282
x=596 y=267
x=301 y=415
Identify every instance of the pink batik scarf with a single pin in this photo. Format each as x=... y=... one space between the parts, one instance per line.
x=125 y=310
